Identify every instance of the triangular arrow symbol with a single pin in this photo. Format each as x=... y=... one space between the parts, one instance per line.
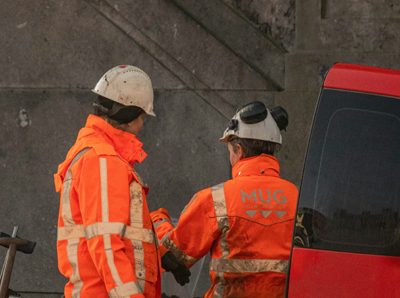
x=265 y=213
x=250 y=213
x=280 y=213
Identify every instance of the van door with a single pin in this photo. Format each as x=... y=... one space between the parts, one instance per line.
x=347 y=230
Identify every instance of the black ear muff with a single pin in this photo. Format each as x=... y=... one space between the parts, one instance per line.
x=253 y=112
x=280 y=116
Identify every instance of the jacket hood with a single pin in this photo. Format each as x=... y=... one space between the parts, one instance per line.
x=104 y=139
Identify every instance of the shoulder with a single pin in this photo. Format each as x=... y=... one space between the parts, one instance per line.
x=290 y=186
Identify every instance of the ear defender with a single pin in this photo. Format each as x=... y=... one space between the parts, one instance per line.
x=280 y=116
x=253 y=112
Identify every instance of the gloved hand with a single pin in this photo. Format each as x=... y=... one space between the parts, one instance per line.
x=170 y=263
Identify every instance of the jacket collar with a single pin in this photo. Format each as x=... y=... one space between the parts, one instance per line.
x=262 y=165
x=125 y=144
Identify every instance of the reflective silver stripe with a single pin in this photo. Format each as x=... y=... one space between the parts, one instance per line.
x=65 y=233
x=171 y=246
x=161 y=222
x=136 y=205
x=140 y=269
x=219 y=291
x=125 y=290
x=218 y=195
x=66 y=212
x=140 y=234
x=68 y=231
x=101 y=228
x=72 y=252
x=249 y=266
x=104 y=215
x=165 y=237
x=190 y=203
x=136 y=212
x=110 y=260
x=104 y=189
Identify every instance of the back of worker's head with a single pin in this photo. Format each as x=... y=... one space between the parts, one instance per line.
x=256 y=129
x=252 y=147
x=124 y=93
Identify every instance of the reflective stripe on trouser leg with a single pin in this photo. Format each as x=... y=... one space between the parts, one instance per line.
x=72 y=252
x=136 y=212
x=218 y=196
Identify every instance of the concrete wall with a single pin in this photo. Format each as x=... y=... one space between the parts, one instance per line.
x=206 y=58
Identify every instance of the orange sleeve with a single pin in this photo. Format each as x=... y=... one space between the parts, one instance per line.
x=196 y=231
x=162 y=222
x=105 y=207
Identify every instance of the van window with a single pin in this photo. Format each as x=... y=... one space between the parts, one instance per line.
x=350 y=194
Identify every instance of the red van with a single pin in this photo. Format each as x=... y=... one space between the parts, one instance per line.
x=347 y=230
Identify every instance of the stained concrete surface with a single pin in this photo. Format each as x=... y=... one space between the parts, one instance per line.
x=203 y=55
x=276 y=18
x=354 y=9
x=240 y=36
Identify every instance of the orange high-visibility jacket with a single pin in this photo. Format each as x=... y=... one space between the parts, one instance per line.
x=246 y=223
x=106 y=241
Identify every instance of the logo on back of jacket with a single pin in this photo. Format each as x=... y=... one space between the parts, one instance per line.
x=266 y=202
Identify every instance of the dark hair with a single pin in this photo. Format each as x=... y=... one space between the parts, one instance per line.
x=252 y=147
x=102 y=107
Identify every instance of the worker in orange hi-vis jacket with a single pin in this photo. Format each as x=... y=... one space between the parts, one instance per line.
x=245 y=223
x=106 y=241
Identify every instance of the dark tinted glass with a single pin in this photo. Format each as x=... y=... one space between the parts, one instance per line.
x=350 y=192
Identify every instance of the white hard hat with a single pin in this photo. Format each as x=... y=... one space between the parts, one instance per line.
x=128 y=86
x=255 y=121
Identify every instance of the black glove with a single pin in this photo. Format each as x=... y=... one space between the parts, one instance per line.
x=170 y=263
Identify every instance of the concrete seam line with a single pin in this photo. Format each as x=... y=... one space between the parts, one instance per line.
x=162 y=56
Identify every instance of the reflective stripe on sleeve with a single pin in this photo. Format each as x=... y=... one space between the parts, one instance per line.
x=125 y=290
x=161 y=222
x=190 y=203
x=66 y=212
x=69 y=228
x=72 y=252
x=249 y=266
x=171 y=246
x=110 y=260
x=104 y=189
x=218 y=195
